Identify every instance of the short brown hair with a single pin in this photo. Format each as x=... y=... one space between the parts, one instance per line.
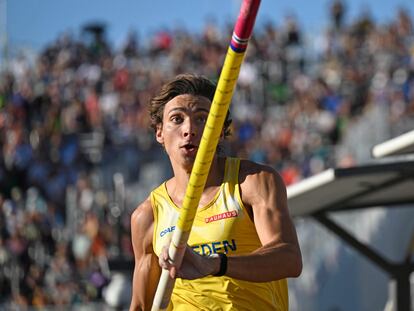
x=180 y=85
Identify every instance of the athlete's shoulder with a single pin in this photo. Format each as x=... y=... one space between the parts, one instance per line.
x=142 y=217
x=253 y=176
x=250 y=168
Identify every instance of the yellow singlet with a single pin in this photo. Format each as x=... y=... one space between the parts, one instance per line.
x=223 y=225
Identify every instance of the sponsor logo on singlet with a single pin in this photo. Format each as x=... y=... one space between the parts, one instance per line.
x=167 y=230
x=221 y=216
x=224 y=246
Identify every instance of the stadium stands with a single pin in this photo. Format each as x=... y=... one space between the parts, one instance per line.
x=76 y=118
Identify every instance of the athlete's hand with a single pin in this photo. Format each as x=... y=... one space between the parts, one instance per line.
x=193 y=266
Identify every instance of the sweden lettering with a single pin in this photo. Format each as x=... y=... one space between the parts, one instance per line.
x=215 y=247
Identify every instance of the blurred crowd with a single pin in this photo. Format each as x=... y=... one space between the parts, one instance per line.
x=77 y=115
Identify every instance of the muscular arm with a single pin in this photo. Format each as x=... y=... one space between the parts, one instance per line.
x=263 y=191
x=146 y=271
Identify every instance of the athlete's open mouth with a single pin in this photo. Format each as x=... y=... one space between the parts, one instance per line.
x=189 y=147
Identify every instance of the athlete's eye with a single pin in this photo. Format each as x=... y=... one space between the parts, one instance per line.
x=202 y=118
x=176 y=119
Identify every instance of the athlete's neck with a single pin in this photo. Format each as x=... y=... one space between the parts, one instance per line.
x=178 y=184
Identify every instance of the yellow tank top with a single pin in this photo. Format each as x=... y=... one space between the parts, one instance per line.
x=223 y=225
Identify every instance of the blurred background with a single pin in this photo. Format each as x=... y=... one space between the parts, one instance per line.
x=321 y=84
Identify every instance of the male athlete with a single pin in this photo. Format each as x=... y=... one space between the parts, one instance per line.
x=243 y=244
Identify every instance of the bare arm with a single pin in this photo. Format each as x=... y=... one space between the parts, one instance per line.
x=146 y=271
x=263 y=191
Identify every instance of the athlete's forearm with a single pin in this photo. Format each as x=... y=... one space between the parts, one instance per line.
x=266 y=264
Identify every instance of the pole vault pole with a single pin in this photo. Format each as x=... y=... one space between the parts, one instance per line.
x=208 y=145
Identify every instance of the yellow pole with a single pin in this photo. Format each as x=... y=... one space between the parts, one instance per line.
x=208 y=145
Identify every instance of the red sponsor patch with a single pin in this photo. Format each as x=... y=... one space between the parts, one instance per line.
x=221 y=216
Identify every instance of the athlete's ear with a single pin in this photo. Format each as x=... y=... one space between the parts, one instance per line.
x=159 y=134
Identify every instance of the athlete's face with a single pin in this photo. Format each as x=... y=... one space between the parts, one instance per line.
x=182 y=127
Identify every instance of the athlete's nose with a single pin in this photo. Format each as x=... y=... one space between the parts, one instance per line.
x=189 y=128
